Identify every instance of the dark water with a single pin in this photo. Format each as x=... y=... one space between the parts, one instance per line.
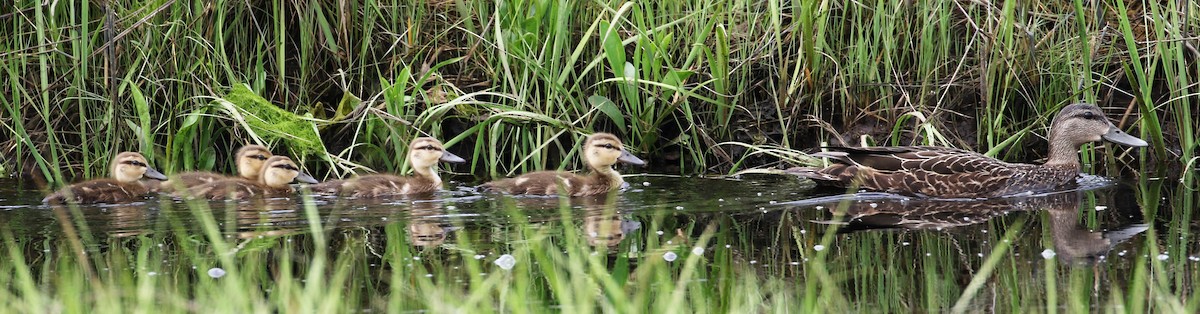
x=758 y=205
x=771 y=221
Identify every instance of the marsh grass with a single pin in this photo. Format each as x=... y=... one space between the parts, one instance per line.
x=515 y=84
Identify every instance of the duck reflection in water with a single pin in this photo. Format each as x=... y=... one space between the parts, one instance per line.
x=603 y=225
x=1072 y=241
x=427 y=225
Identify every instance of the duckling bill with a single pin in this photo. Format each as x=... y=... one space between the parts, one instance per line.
x=954 y=173
x=275 y=177
x=122 y=186
x=424 y=153
x=600 y=151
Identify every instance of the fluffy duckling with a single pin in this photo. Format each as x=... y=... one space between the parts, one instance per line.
x=274 y=178
x=424 y=153
x=249 y=160
x=601 y=151
x=122 y=186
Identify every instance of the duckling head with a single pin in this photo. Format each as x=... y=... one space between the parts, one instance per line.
x=279 y=171
x=425 y=152
x=602 y=150
x=1082 y=123
x=131 y=166
x=250 y=159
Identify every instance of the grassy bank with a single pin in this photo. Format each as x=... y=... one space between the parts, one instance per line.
x=512 y=85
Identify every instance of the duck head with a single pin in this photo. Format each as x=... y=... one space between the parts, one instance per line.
x=279 y=171
x=1081 y=123
x=602 y=150
x=425 y=152
x=250 y=159
x=131 y=166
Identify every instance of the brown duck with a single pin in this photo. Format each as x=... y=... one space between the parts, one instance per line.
x=249 y=161
x=955 y=173
x=424 y=153
x=600 y=151
x=122 y=186
x=274 y=178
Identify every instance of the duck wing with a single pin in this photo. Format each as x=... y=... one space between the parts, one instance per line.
x=916 y=170
x=97 y=191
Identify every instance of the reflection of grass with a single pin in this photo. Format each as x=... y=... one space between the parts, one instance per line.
x=801 y=267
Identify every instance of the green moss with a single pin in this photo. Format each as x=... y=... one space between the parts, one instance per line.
x=274 y=125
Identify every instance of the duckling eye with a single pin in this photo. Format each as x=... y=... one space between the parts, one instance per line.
x=1089 y=115
x=428 y=147
x=259 y=157
x=607 y=145
x=135 y=163
x=288 y=167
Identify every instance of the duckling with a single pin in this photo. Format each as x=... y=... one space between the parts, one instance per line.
x=423 y=154
x=600 y=151
x=275 y=175
x=249 y=160
x=955 y=173
x=122 y=186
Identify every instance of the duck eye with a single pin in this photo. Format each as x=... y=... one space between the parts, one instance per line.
x=429 y=147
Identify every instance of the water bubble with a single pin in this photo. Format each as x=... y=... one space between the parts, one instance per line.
x=873 y=205
x=819 y=207
x=728 y=246
x=216 y=272
x=803 y=231
x=670 y=256
x=720 y=200
x=428 y=275
x=1121 y=253
x=645 y=183
x=819 y=247
x=772 y=202
x=1048 y=254
x=506 y=261
x=659 y=232
x=1163 y=257
x=905 y=243
x=678 y=207
x=753 y=262
x=479 y=256
x=1101 y=207
x=698 y=250
x=451 y=207
x=759 y=193
x=416 y=258
x=153 y=273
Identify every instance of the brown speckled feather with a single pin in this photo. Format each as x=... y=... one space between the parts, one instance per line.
x=377 y=185
x=547 y=183
x=98 y=191
x=935 y=171
x=236 y=189
x=186 y=180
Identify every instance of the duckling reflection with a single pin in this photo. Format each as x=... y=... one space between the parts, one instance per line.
x=427 y=226
x=265 y=217
x=602 y=222
x=1072 y=241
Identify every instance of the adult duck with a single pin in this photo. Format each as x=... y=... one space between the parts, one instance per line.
x=600 y=151
x=424 y=153
x=955 y=173
x=122 y=186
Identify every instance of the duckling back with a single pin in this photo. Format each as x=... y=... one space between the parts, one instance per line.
x=98 y=191
x=550 y=182
x=235 y=189
x=378 y=185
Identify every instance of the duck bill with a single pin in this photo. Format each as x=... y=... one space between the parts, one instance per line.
x=451 y=158
x=154 y=174
x=628 y=158
x=305 y=178
x=1115 y=135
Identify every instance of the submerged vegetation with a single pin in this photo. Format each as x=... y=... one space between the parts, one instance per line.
x=511 y=85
